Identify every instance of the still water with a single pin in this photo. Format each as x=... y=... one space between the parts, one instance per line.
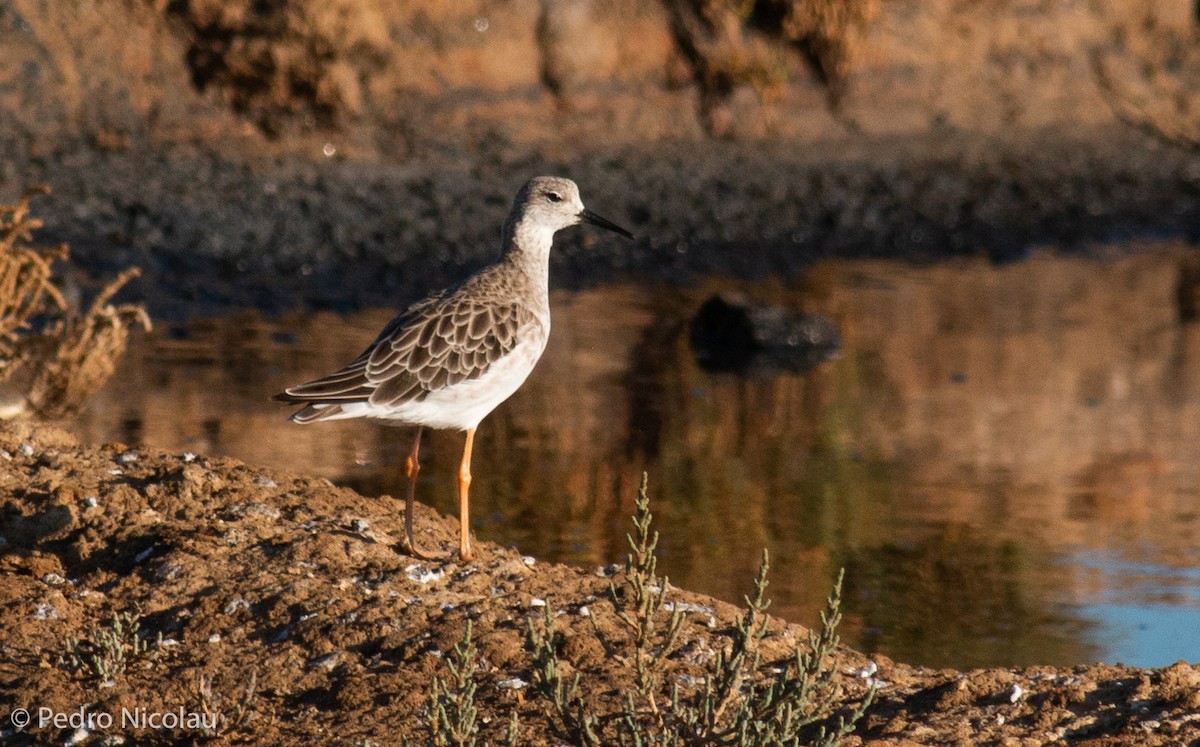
x=1006 y=460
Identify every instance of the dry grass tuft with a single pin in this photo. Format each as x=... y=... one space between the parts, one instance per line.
x=25 y=287
x=62 y=356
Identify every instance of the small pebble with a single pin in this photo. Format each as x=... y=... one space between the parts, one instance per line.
x=422 y=575
x=1015 y=695
x=688 y=607
x=25 y=449
x=4 y=454
x=513 y=683
x=167 y=570
x=189 y=457
x=528 y=560
x=79 y=736
x=128 y=457
x=264 y=481
x=214 y=638
x=584 y=611
x=45 y=611
x=53 y=579
x=141 y=556
x=235 y=605
x=328 y=661
x=256 y=509
x=535 y=602
x=359 y=526
x=690 y=681
x=91 y=501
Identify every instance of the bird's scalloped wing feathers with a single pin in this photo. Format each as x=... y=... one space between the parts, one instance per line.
x=454 y=342
x=350 y=384
x=346 y=385
x=431 y=345
x=313 y=413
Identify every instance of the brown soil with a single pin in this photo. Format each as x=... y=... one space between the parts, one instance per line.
x=295 y=586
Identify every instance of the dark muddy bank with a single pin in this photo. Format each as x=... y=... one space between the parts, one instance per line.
x=215 y=231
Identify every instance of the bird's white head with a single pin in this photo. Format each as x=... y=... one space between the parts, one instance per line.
x=549 y=201
x=545 y=205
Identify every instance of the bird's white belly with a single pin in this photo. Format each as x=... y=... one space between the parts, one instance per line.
x=463 y=405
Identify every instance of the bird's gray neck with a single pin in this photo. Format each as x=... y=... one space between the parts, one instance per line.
x=527 y=245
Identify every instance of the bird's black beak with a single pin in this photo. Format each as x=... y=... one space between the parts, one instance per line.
x=587 y=216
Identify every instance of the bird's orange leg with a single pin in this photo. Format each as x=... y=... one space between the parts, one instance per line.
x=464 y=488
x=412 y=468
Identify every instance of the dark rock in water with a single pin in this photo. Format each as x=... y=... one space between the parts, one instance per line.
x=732 y=333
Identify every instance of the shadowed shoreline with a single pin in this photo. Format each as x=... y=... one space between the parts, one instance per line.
x=214 y=233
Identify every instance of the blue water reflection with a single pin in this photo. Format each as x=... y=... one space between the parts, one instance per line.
x=1148 y=614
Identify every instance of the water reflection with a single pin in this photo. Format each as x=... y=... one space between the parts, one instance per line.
x=984 y=434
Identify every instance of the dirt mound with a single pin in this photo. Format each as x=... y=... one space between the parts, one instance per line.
x=63 y=354
x=280 y=604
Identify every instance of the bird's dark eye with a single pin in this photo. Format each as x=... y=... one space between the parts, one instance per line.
x=553 y=197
